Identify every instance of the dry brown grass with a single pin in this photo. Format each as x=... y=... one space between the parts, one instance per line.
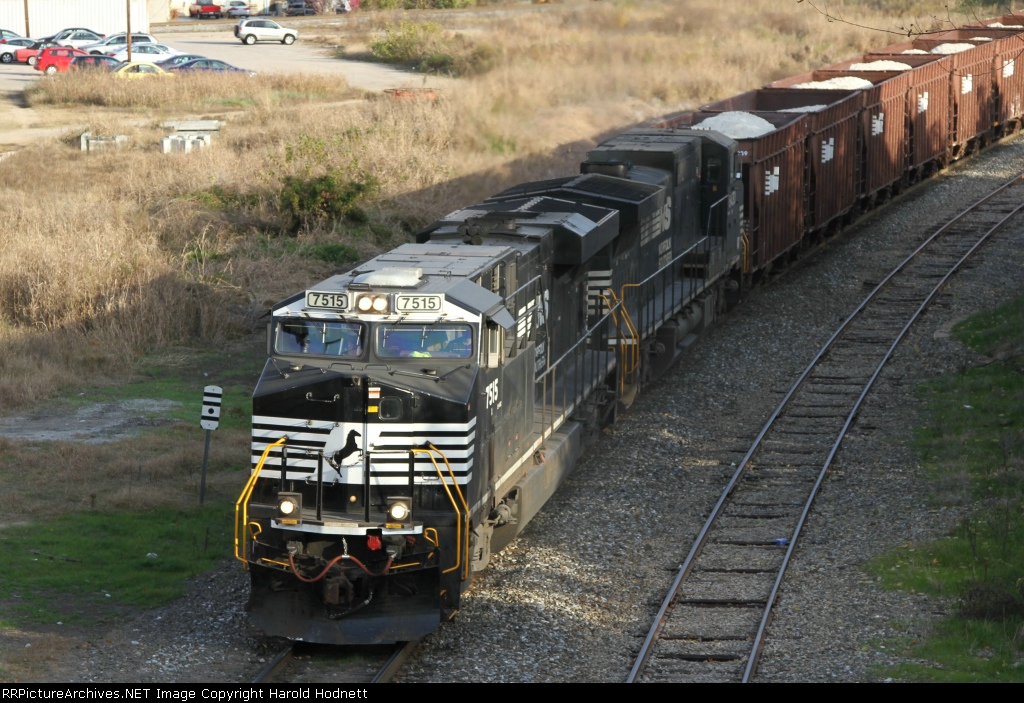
x=186 y=91
x=161 y=471
x=135 y=250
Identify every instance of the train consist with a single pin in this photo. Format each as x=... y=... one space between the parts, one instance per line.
x=417 y=411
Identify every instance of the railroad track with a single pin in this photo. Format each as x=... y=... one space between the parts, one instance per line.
x=712 y=624
x=384 y=662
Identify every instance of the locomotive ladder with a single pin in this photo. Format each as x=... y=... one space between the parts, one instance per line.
x=711 y=625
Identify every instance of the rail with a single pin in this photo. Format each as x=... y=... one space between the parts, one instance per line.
x=717 y=511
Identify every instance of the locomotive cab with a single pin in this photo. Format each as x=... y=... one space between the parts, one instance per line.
x=357 y=524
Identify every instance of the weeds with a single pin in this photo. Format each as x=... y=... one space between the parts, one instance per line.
x=186 y=91
x=432 y=49
x=973 y=450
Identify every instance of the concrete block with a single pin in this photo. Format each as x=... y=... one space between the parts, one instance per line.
x=89 y=142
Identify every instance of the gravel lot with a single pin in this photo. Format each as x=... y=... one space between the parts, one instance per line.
x=573 y=597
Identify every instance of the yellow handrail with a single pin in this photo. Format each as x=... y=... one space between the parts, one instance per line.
x=465 y=506
x=458 y=513
x=243 y=500
x=631 y=330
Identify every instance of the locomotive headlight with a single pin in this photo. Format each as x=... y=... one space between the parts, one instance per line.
x=289 y=508
x=399 y=509
x=373 y=303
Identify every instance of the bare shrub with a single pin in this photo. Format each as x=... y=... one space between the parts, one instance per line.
x=990 y=601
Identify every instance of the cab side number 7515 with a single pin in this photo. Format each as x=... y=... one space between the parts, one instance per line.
x=491 y=393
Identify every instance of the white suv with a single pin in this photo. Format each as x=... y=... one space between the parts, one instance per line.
x=252 y=31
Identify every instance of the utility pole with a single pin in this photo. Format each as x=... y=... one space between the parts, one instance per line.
x=27 y=33
x=128 y=36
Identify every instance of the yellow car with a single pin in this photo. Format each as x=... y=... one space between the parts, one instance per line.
x=139 y=69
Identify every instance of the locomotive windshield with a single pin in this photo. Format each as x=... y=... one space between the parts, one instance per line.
x=435 y=341
x=320 y=337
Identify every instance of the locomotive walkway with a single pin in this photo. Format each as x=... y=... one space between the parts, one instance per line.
x=712 y=625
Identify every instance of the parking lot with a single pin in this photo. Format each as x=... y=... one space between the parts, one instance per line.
x=265 y=57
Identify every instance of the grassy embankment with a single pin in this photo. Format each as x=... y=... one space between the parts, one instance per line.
x=973 y=448
x=138 y=259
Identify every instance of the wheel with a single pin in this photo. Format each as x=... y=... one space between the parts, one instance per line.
x=250 y=39
x=288 y=39
x=32 y=60
x=7 y=58
x=50 y=70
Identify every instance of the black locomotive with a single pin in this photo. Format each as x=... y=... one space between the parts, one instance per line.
x=416 y=412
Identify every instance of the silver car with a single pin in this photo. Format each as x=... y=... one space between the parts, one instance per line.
x=116 y=42
x=254 y=30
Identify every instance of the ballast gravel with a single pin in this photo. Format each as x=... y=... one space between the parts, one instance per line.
x=573 y=597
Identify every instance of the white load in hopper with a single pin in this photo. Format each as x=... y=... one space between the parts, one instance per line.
x=837 y=83
x=953 y=48
x=914 y=51
x=804 y=108
x=880 y=65
x=737 y=125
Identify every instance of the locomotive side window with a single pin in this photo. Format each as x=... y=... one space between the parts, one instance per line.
x=390 y=408
x=714 y=170
x=320 y=337
x=428 y=341
x=495 y=345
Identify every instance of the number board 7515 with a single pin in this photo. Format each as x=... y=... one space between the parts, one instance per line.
x=418 y=303
x=330 y=301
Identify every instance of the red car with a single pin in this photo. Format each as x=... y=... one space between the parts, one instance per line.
x=30 y=53
x=57 y=58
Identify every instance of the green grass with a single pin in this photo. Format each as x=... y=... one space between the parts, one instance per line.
x=182 y=381
x=77 y=568
x=973 y=450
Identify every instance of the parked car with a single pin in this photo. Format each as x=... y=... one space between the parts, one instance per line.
x=9 y=47
x=30 y=53
x=76 y=37
x=237 y=8
x=118 y=41
x=8 y=34
x=140 y=69
x=176 y=60
x=203 y=65
x=299 y=9
x=254 y=30
x=56 y=59
x=145 y=52
x=92 y=62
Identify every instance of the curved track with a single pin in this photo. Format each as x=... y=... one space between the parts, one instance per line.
x=712 y=624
